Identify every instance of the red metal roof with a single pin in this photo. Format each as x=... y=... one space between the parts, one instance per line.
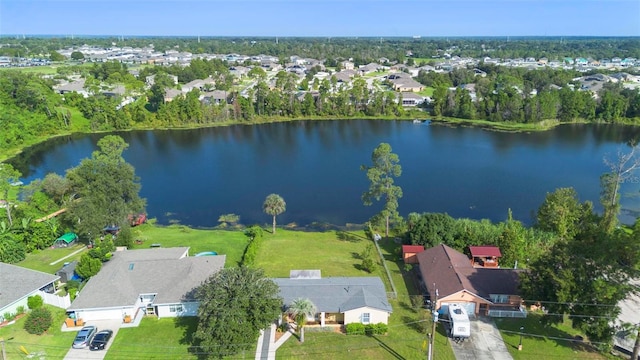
x=485 y=250
x=412 y=249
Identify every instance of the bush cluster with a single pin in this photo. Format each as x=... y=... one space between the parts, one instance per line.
x=38 y=321
x=369 y=329
x=34 y=302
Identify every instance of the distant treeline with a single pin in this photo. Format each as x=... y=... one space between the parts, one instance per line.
x=361 y=50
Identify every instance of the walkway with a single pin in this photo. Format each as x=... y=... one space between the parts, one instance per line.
x=68 y=256
x=267 y=346
x=485 y=342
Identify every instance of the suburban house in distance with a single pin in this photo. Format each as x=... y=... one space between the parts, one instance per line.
x=133 y=283
x=18 y=283
x=339 y=300
x=484 y=291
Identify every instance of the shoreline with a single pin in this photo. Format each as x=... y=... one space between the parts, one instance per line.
x=544 y=125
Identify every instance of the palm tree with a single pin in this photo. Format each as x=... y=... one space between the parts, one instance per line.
x=274 y=205
x=300 y=309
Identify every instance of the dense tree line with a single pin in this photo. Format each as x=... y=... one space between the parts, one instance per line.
x=361 y=50
x=101 y=191
x=524 y=96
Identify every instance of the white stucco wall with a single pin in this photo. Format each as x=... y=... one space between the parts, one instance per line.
x=188 y=309
x=375 y=316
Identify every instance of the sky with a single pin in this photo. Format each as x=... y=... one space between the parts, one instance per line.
x=347 y=18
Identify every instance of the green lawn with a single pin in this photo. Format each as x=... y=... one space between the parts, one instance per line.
x=155 y=339
x=334 y=253
x=42 y=70
x=550 y=342
x=40 y=260
x=53 y=344
x=225 y=242
x=428 y=91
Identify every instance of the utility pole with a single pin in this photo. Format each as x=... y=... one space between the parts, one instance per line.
x=636 y=347
x=433 y=328
x=4 y=352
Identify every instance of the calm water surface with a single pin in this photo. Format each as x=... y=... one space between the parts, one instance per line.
x=194 y=176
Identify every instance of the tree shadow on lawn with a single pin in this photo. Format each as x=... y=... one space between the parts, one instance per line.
x=536 y=331
x=386 y=347
x=350 y=237
x=188 y=325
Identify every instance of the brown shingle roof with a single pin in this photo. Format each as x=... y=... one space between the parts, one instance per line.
x=451 y=272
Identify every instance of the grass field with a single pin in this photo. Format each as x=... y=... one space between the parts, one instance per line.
x=53 y=344
x=544 y=342
x=41 y=260
x=229 y=243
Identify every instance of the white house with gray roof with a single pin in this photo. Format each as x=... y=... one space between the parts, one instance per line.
x=159 y=281
x=18 y=283
x=340 y=300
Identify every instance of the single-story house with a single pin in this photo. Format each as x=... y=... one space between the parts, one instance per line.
x=157 y=281
x=18 y=283
x=448 y=276
x=65 y=240
x=339 y=300
x=409 y=253
x=67 y=272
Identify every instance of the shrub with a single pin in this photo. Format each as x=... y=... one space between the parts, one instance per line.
x=21 y=309
x=380 y=328
x=35 y=302
x=73 y=292
x=8 y=316
x=354 y=329
x=376 y=329
x=38 y=321
x=73 y=284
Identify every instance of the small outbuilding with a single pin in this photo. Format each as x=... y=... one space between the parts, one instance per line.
x=409 y=253
x=67 y=272
x=66 y=240
x=485 y=256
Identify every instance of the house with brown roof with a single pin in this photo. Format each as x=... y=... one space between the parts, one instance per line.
x=449 y=276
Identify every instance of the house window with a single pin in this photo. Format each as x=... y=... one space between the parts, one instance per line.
x=175 y=308
x=366 y=318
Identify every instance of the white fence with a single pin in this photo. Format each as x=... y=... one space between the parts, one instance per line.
x=508 y=313
x=58 y=301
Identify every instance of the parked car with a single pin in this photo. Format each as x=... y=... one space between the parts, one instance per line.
x=100 y=340
x=84 y=337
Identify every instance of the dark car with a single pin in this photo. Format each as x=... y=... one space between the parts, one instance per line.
x=84 y=337
x=100 y=340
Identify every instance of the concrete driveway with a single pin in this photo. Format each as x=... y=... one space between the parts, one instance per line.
x=485 y=342
x=78 y=354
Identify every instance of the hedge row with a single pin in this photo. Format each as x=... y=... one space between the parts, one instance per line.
x=369 y=329
x=251 y=252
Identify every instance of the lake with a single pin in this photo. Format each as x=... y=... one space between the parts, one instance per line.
x=194 y=176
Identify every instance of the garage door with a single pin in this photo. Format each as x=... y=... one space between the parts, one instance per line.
x=470 y=307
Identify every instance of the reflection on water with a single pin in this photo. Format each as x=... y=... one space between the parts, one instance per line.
x=194 y=176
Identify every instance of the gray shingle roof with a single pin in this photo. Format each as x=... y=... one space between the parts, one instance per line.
x=336 y=294
x=16 y=282
x=167 y=272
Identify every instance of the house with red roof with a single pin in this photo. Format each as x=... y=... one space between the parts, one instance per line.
x=409 y=253
x=450 y=277
x=485 y=256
